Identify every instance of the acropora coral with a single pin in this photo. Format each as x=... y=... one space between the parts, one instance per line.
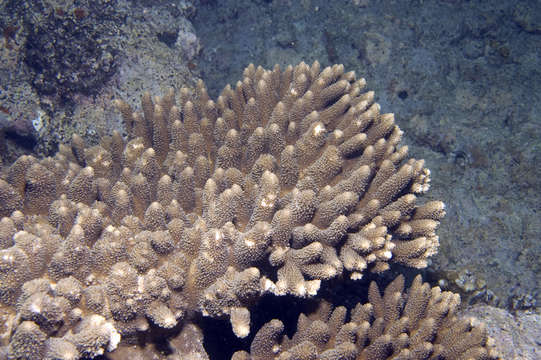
x=420 y=324
x=288 y=179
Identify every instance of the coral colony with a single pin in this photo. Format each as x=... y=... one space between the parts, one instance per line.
x=288 y=179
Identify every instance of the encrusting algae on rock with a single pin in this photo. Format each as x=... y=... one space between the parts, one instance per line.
x=288 y=179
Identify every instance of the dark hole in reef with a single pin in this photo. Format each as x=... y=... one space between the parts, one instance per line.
x=26 y=142
x=403 y=94
x=220 y=342
x=169 y=38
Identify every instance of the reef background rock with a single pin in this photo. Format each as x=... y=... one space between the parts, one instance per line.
x=518 y=333
x=64 y=61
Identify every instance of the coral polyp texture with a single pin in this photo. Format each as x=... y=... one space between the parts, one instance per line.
x=288 y=179
x=420 y=324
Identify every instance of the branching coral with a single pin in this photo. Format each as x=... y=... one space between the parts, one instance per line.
x=420 y=324
x=291 y=178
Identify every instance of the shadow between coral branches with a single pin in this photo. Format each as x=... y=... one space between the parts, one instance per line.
x=220 y=343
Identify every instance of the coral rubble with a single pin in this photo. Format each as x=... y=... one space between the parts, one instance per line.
x=290 y=178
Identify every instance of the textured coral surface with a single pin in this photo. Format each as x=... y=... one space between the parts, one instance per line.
x=290 y=178
x=418 y=324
